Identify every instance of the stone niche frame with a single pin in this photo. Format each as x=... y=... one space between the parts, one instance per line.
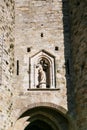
x=48 y=61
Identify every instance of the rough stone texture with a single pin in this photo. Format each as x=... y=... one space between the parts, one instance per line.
x=31 y=19
x=43 y=25
x=6 y=61
x=78 y=16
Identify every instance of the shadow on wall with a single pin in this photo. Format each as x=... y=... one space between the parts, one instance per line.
x=68 y=58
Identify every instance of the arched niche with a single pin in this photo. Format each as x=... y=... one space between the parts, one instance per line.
x=42 y=74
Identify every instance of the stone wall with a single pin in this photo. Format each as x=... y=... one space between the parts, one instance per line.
x=42 y=25
x=33 y=19
x=6 y=61
x=68 y=58
x=39 y=26
x=78 y=16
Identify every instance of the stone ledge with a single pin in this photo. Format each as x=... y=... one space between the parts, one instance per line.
x=43 y=89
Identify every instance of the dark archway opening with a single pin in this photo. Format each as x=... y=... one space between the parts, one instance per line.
x=45 y=118
x=38 y=125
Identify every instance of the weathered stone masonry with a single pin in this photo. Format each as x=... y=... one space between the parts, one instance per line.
x=31 y=27
x=6 y=61
x=78 y=18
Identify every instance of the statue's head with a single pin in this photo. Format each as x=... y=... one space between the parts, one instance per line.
x=39 y=67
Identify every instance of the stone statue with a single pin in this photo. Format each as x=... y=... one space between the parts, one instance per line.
x=41 y=76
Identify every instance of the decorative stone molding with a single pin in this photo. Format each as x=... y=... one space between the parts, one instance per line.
x=42 y=74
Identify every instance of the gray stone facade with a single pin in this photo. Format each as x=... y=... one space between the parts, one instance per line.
x=6 y=62
x=78 y=18
x=42 y=77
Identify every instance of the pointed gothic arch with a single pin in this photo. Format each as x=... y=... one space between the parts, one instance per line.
x=42 y=70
